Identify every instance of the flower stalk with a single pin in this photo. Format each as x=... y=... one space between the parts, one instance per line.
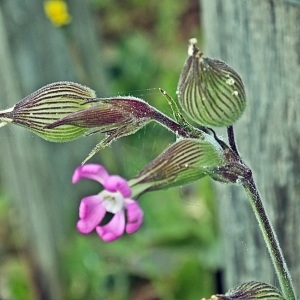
x=270 y=238
x=263 y=220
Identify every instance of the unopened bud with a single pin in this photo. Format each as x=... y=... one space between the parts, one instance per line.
x=47 y=105
x=185 y=161
x=210 y=91
x=115 y=117
x=109 y=114
x=251 y=291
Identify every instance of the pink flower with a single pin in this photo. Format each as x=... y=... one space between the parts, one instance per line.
x=113 y=203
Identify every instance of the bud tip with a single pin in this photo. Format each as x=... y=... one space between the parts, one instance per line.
x=193 y=42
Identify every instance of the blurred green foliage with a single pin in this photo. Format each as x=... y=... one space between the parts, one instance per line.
x=175 y=254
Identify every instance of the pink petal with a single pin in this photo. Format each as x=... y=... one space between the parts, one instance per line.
x=90 y=171
x=134 y=216
x=91 y=212
x=116 y=183
x=114 y=229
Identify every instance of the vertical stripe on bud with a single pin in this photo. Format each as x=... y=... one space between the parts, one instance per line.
x=251 y=291
x=115 y=117
x=185 y=161
x=210 y=91
x=47 y=105
x=106 y=114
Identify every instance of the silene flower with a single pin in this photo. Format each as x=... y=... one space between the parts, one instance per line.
x=112 y=212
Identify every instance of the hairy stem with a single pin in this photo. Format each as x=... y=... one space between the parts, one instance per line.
x=231 y=139
x=271 y=240
x=178 y=129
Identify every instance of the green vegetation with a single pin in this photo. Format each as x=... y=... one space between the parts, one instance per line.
x=176 y=253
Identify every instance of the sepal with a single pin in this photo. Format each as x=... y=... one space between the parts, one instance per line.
x=115 y=117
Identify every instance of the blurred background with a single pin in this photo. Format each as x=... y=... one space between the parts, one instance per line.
x=116 y=48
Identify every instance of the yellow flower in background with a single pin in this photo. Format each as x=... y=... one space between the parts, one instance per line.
x=57 y=12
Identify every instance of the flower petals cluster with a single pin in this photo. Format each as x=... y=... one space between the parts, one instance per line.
x=113 y=203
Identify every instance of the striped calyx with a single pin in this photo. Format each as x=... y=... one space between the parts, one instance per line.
x=209 y=91
x=108 y=114
x=250 y=291
x=115 y=117
x=185 y=161
x=47 y=105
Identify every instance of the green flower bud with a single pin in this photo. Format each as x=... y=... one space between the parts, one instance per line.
x=185 y=161
x=251 y=291
x=209 y=91
x=47 y=105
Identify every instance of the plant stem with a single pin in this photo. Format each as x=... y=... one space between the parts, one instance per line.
x=271 y=240
x=175 y=127
x=231 y=140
